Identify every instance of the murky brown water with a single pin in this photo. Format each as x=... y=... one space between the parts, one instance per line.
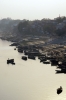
x=28 y=80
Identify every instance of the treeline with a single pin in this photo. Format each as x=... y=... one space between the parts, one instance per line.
x=36 y=27
x=44 y=26
x=61 y=32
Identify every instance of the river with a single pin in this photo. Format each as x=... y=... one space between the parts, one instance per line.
x=28 y=80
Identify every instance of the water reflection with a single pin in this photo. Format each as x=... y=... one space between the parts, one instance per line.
x=30 y=80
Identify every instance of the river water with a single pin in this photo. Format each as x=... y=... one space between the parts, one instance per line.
x=28 y=80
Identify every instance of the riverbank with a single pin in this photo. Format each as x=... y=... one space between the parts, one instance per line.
x=41 y=44
x=40 y=47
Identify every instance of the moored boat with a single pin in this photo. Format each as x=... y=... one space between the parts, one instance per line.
x=24 y=58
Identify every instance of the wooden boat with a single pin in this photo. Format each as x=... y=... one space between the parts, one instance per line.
x=14 y=48
x=59 y=90
x=31 y=57
x=10 y=61
x=54 y=62
x=24 y=57
x=46 y=62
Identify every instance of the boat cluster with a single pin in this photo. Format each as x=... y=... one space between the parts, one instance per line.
x=31 y=52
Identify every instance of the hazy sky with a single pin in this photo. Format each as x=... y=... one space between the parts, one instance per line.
x=32 y=9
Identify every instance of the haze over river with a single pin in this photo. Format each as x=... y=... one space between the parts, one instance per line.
x=28 y=80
